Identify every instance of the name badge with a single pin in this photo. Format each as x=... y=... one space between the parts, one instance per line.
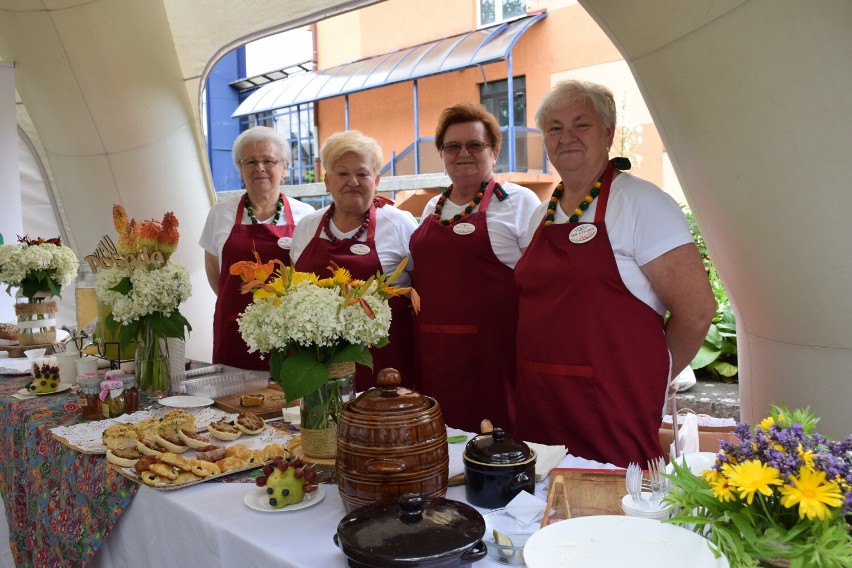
x=463 y=228
x=285 y=242
x=582 y=233
x=359 y=249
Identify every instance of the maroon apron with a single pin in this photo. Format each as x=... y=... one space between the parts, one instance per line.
x=397 y=354
x=466 y=328
x=229 y=348
x=592 y=358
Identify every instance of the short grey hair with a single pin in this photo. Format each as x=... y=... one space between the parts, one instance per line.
x=257 y=134
x=354 y=141
x=566 y=92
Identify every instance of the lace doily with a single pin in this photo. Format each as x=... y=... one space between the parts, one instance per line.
x=86 y=437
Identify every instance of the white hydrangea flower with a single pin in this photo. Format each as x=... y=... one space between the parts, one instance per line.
x=153 y=289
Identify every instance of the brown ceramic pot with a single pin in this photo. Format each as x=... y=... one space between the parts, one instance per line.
x=391 y=441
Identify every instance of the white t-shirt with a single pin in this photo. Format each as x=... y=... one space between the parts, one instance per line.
x=393 y=230
x=642 y=221
x=507 y=220
x=220 y=221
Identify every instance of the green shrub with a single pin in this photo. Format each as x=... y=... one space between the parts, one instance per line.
x=717 y=357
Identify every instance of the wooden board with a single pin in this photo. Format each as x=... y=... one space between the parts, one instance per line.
x=273 y=402
x=17 y=351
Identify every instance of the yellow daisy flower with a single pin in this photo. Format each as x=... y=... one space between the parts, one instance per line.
x=766 y=423
x=807 y=457
x=719 y=484
x=812 y=493
x=751 y=477
x=326 y=283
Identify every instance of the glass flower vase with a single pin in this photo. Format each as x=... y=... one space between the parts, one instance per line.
x=320 y=411
x=152 y=362
x=36 y=318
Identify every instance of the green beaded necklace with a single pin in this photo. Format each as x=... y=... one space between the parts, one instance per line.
x=278 y=207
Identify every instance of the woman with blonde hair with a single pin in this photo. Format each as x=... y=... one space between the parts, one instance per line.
x=363 y=233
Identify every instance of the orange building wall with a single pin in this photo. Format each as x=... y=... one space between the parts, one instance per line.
x=567 y=39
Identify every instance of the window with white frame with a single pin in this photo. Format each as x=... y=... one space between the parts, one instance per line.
x=495 y=11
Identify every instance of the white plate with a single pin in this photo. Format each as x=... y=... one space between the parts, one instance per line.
x=609 y=540
x=186 y=401
x=61 y=388
x=259 y=501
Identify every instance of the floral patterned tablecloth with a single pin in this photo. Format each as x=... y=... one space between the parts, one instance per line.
x=60 y=504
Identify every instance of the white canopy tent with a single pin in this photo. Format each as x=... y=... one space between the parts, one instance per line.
x=747 y=94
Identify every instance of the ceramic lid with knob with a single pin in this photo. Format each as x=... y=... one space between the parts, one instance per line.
x=498 y=449
x=389 y=397
x=411 y=528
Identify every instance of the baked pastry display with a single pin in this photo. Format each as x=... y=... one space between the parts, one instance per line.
x=171 y=442
x=249 y=423
x=148 y=428
x=149 y=447
x=223 y=430
x=192 y=439
x=120 y=436
x=175 y=420
x=123 y=457
x=286 y=482
x=9 y=331
x=251 y=400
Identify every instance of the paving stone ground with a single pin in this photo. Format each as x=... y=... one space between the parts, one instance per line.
x=715 y=398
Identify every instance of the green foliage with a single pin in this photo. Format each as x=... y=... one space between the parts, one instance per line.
x=717 y=356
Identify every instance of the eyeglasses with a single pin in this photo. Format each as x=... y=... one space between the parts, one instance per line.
x=474 y=147
x=252 y=163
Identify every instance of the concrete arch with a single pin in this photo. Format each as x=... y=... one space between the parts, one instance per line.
x=754 y=112
x=746 y=93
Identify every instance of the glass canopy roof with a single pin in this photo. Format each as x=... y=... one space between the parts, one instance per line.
x=441 y=56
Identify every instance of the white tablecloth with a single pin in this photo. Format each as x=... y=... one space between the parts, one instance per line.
x=208 y=525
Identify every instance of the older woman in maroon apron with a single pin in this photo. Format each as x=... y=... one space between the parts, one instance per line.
x=464 y=253
x=609 y=255
x=364 y=234
x=262 y=220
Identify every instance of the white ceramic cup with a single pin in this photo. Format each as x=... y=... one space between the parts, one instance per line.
x=67 y=363
x=86 y=365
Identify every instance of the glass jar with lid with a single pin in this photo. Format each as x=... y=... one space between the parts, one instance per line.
x=112 y=398
x=88 y=400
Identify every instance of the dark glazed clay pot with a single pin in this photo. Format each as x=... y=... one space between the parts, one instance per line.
x=391 y=441
x=496 y=469
x=412 y=531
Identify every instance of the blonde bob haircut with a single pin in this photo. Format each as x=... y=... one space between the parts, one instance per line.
x=259 y=134
x=567 y=92
x=353 y=141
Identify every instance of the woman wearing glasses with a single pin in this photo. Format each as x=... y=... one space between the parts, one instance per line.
x=262 y=219
x=364 y=234
x=464 y=253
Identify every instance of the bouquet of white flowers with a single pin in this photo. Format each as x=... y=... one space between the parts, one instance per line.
x=37 y=266
x=308 y=324
x=144 y=297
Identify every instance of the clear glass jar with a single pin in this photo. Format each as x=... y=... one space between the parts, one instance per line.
x=131 y=391
x=88 y=399
x=112 y=398
x=84 y=295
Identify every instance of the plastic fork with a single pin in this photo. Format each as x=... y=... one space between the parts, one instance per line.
x=634 y=480
x=660 y=485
